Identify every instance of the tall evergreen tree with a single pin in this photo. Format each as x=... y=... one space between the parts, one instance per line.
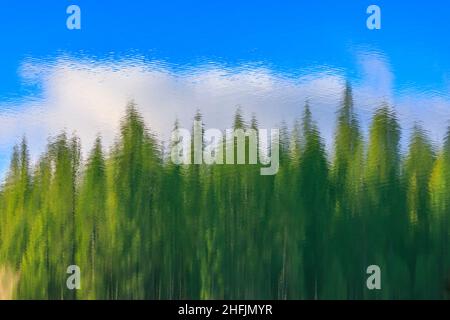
x=92 y=226
x=136 y=167
x=314 y=195
x=347 y=174
x=386 y=221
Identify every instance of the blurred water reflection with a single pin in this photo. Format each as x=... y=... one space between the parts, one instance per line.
x=363 y=179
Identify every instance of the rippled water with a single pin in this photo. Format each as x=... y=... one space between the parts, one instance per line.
x=363 y=180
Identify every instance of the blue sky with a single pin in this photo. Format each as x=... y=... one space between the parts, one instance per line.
x=283 y=36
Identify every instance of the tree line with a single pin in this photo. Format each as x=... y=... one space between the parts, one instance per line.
x=141 y=227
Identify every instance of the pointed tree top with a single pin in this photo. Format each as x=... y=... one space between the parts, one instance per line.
x=348 y=97
x=198 y=115
x=254 y=122
x=307 y=118
x=176 y=124
x=238 y=119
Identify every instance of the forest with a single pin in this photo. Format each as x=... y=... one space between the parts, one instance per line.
x=141 y=227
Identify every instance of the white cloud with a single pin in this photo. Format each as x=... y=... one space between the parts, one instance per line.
x=89 y=97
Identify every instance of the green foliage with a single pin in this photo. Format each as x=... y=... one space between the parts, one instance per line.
x=142 y=227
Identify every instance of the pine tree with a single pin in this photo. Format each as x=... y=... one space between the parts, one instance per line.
x=92 y=226
x=136 y=168
x=314 y=195
x=14 y=229
x=439 y=188
x=347 y=174
x=386 y=221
